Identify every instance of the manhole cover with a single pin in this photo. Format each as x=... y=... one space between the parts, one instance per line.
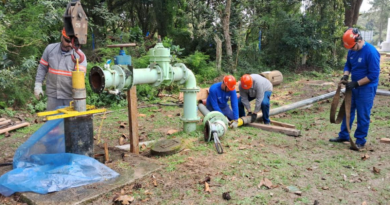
x=166 y=147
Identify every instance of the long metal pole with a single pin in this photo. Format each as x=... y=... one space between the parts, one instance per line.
x=292 y=106
x=203 y=109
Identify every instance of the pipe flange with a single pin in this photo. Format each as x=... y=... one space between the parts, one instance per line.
x=97 y=79
x=190 y=90
x=197 y=119
x=215 y=116
x=222 y=124
x=159 y=74
x=206 y=132
x=121 y=74
x=129 y=77
x=170 y=76
x=185 y=72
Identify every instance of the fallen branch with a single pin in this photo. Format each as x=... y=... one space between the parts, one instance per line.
x=24 y=124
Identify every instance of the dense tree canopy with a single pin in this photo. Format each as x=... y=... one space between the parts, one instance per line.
x=290 y=35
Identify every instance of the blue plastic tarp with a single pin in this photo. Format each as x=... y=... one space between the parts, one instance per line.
x=42 y=166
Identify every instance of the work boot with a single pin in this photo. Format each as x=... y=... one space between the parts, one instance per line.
x=338 y=139
x=358 y=146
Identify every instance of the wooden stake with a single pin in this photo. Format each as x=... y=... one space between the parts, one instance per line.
x=24 y=124
x=271 y=128
x=133 y=120
x=106 y=156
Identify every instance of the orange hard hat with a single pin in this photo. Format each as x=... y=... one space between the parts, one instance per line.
x=350 y=37
x=246 y=81
x=230 y=82
x=64 y=34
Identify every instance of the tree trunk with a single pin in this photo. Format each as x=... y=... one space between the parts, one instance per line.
x=352 y=8
x=226 y=32
x=218 y=56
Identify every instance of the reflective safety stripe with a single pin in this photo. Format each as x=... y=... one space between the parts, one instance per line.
x=81 y=68
x=60 y=72
x=43 y=62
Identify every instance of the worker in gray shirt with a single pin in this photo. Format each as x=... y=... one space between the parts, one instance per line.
x=257 y=87
x=56 y=65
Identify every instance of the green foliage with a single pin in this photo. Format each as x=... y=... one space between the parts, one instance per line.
x=37 y=106
x=109 y=18
x=136 y=35
x=146 y=92
x=175 y=49
x=289 y=35
x=8 y=112
x=16 y=82
x=198 y=63
x=141 y=62
x=25 y=35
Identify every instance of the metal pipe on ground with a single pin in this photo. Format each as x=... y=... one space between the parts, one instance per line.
x=203 y=109
x=302 y=103
x=292 y=106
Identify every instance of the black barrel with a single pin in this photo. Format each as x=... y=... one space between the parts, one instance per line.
x=79 y=135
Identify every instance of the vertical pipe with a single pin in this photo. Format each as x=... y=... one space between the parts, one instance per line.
x=190 y=117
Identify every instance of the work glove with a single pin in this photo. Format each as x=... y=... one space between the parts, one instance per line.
x=352 y=85
x=38 y=90
x=233 y=124
x=345 y=78
x=253 y=116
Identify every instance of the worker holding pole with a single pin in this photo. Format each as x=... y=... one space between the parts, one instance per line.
x=363 y=65
x=57 y=64
x=257 y=87
x=219 y=95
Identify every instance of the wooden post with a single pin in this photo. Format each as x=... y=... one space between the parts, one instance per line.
x=106 y=155
x=133 y=120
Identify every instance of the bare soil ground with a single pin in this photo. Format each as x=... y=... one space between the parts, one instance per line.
x=296 y=170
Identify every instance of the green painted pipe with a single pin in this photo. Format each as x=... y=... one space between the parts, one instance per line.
x=190 y=117
x=214 y=122
x=122 y=77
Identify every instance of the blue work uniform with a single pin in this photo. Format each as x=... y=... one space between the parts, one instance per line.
x=362 y=63
x=218 y=101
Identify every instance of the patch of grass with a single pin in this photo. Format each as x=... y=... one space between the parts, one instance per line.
x=302 y=200
x=172 y=162
x=123 y=165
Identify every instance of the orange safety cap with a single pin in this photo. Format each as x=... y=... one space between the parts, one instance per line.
x=246 y=81
x=350 y=38
x=230 y=82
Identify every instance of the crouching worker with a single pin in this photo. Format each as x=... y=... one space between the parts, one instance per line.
x=219 y=95
x=257 y=87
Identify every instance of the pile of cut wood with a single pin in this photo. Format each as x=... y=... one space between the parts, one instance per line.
x=7 y=125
